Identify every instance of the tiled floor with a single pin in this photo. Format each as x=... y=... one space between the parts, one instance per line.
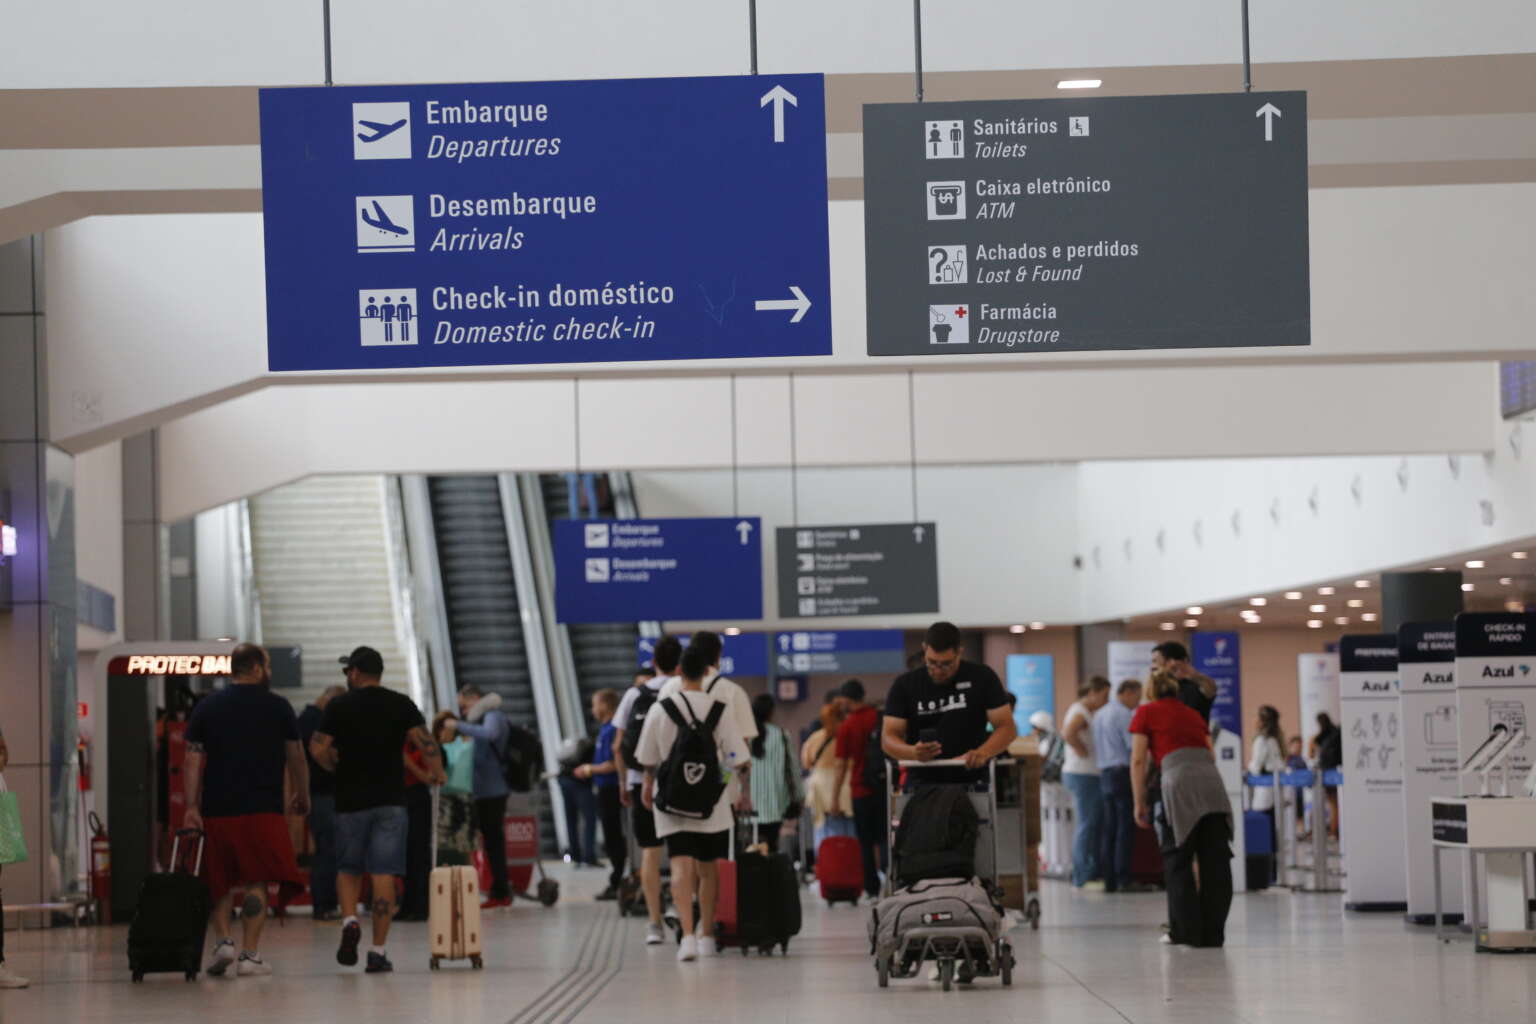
x=1096 y=959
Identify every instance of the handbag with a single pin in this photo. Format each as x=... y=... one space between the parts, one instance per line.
x=13 y=844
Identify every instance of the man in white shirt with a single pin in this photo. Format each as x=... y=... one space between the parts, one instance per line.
x=1080 y=774
x=641 y=702
x=738 y=712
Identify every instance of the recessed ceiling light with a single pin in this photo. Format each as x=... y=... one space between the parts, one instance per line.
x=1520 y=554
x=1505 y=581
x=732 y=631
x=1037 y=625
x=1362 y=584
x=1355 y=602
x=1317 y=608
x=1438 y=568
x=1194 y=609
x=1326 y=591
x=1368 y=617
x=1017 y=629
x=1258 y=602
x=1476 y=563
x=1314 y=623
x=1342 y=620
x=1192 y=623
x=1467 y=588
x=1080 y=83
x=1252 y=620
x=1167 y=627
x=1293 y=595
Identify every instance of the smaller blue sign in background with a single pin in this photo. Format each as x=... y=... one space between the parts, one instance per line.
x=1219 y=655
x=1032 y=679
x=820 y=652
x=640 y=570
x=745 y=654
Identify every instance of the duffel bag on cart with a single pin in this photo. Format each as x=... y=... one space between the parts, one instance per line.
x=936 y=903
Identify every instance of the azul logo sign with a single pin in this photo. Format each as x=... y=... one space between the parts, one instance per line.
x=1382 y=687
x=1494 y=672
x=1439 y=677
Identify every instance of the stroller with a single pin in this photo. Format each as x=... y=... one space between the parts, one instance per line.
x=956 y=922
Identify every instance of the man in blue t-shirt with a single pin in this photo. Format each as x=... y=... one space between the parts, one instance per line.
x=604 y=772
x=241 y=741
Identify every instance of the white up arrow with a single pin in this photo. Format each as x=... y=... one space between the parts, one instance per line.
x=745 y=529
x=778 y=96
x=917 y=533
x=1269 y=112
x=799 y=304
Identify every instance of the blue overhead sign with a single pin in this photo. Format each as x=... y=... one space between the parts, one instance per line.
x=821 y=652
x=745 y=654
x=639 y=570
x=545 y=222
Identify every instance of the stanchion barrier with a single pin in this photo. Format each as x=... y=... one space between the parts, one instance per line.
x=1058 y=826
x=1318 y=874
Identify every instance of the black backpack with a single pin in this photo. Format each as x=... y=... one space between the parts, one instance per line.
x=644 y=701
x=522 y=758
x=937 y=835
x=688 y=783
x=874 y=758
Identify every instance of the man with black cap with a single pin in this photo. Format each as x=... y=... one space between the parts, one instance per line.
x=359 y=739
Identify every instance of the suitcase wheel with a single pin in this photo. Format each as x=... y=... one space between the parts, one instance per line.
x=549 y=892
x=435 y=964
x=191 y=975
x=883 y=971
x=138 y=977
x=476 y=962
x=743 y=950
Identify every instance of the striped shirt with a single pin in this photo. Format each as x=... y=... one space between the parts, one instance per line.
x=775 y=777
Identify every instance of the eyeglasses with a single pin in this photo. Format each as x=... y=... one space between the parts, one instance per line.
x=941 y=665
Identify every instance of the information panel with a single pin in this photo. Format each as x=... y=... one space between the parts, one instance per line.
x=1142 y=222
x=1496 y=688
x=862 y=569
x=1427 y=670
x=1218 y=655
x=742 y=654
x=545 y=222
x=839 y=652
x=1371 y=799
x=640 y=570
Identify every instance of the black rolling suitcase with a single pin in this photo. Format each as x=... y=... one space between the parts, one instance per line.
x=764 y=893
x=171 y=919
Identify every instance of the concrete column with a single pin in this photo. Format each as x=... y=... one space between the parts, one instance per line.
x=1419 y=597
x=146 y=558
x=37 y=622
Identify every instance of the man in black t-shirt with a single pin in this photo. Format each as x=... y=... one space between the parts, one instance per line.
x=1196 y=690
x=360 y=739
x=943 y=709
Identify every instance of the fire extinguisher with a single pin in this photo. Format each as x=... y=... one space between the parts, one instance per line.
x=101 y=868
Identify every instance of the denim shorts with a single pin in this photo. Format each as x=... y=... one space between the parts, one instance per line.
x=371 y=842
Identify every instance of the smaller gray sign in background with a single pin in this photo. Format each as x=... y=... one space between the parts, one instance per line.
x=857 y=569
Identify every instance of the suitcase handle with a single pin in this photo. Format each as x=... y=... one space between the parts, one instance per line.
x=202 y=838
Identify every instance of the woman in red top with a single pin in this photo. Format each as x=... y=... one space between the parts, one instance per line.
x=1195 y=815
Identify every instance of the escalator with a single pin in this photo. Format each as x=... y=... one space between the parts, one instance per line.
x=485 y=626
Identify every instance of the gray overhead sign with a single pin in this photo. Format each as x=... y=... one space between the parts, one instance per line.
x=1060 y=225
x=861 y=569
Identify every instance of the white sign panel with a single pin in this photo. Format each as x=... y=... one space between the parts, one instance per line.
x=1430 y=730
x=1496 y=688
x=1371 y=799
x=1129 y=659
x=1317 y=677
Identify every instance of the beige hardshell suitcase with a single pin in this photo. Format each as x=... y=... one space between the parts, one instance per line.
x=455 y=916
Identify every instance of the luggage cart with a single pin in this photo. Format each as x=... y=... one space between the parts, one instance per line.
x=961 y=953
x=524 y=845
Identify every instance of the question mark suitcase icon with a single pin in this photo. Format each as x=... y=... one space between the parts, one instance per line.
x=938 y=267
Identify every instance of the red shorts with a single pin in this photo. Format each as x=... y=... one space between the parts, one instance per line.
x=246 y=849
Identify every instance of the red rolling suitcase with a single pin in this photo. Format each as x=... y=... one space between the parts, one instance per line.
x=840 y=869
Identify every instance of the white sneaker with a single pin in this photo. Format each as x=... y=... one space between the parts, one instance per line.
x=708 y=946
x=10 y=979
x=654 y=936
x=224 y=954
x=252 y=967
x=1165 y=939
x=688 y=949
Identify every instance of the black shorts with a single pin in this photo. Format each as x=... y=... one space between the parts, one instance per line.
x=642 y=821
x=701 y=846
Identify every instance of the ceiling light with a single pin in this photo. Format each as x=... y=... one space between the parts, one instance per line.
x=1258 y=602
x=1342 y=620
x=1520 y=554
x=1314 y=623
x=1438 y=568
x=1317 y=608
x=1293 y=595
x=1476 y=563
x=1505 y=581
x=1362 y=584
x=1037 y=625
x=1466 y=588
x=732 y=631
x=1194 y=609
x=1514 y=606
x=1167 y=627
x=1192 y=623
x=1326 y=591
x=1355 y=602
x=1080 y=83
x=1252 y=620
x=1017 y=629
x=1368 y=617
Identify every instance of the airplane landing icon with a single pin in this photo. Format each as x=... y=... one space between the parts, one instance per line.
x=385 y=224
x=379 y=130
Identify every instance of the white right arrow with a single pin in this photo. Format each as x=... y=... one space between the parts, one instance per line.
x=1269 y=112
x=799 y=304
x=778 y=96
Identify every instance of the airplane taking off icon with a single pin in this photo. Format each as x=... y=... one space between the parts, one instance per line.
x=379 y=129
x=381 y=221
